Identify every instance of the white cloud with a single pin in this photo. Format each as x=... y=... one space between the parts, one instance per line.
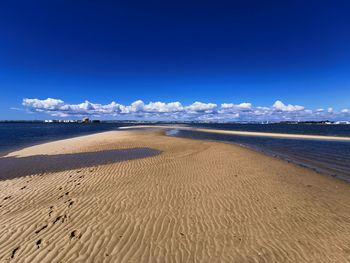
x=175 y=110
x=47 y=104
x=279 y=105
x=59 y=108
x=243 y=106
x=136 y=106
x=201 y=107
x=163 y=107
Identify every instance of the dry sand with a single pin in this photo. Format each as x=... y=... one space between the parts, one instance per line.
x=197 y=201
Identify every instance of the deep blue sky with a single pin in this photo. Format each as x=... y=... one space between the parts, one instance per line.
x=210 y=51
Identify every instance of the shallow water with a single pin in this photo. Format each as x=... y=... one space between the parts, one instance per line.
x=12 y=167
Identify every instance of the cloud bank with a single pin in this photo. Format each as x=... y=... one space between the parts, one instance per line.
x=200 y=111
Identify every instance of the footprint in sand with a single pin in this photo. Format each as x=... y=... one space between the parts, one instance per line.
x=61 y=196
x=57 y=219
x=75 y=234
x=51 y=210
x=41 y=229
x=38 y=243
x=70 y=202
x=62 y=218
x=14 y=252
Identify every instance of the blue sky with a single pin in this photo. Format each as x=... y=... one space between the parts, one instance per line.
x=213 y=52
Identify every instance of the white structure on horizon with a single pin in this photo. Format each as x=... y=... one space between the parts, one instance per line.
x=61 y=121
x=342 y=122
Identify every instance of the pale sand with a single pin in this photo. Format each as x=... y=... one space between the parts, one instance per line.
x=245 y=133
x=197 y=201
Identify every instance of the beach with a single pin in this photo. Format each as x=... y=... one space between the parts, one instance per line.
x=167 y=199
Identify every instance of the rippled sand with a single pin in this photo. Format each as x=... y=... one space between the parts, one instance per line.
x=196 y=201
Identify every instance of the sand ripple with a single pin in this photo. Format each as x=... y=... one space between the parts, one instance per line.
x=197 y=201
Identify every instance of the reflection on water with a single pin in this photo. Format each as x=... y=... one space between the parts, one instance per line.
x=172 y=132
x=327 y=157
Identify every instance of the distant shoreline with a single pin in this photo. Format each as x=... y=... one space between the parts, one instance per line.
x=96 y=121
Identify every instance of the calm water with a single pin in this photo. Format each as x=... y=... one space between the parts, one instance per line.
x=17 y=135
x=335 y=130
x=328 y=157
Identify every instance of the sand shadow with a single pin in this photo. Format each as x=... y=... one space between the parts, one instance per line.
x=12 y=167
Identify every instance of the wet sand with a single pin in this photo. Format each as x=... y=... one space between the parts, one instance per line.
x=196 y=201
